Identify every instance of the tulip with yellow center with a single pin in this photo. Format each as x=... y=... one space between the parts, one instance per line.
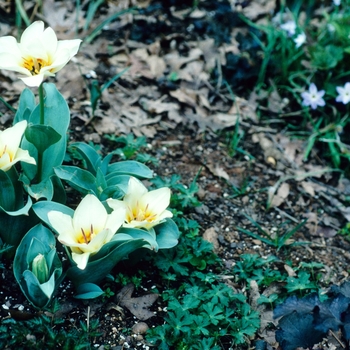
x=10 y=153
x=38 y=54
x=143 y=208
x=88 y=230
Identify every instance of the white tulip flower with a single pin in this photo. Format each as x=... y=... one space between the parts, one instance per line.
x=144 y=209
x=88 y=230
x=38 y=54
x=10 y=153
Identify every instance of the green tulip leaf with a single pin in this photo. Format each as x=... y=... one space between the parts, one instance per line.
x=100 y=181
x=115 y=192
x=97 y=270
x=136 y=233
x=25 y=106
x=44 y=189
x=80 y=179
x=36 y=247
x=130 y=167
x=89 y=154
x=31 y=288
x=22 y=211
x=11 y=194
x=116 y=241
x=42 y=136
x=42 y=208
x=37 y=241
x=88 y=291
x=56 y=116
x=167 y=234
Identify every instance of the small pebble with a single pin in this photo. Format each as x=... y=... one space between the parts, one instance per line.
x=140 y=328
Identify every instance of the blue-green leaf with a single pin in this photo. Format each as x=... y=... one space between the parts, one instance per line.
x=42 y=208
x=80 y=179
x=97 y=270
x=25 y=106
x=89 y=154
x=42 y=136
x=88 y=291
x=57 y=116
x=167 y=234
x=130 y=167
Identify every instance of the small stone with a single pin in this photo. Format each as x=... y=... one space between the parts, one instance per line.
x=140 y=328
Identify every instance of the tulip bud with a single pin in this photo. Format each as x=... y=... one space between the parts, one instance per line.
x=40 y=269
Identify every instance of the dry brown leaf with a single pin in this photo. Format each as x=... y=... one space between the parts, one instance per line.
x=211 y=236
x=156 y=65
x=308 y=187
x=290 y=271
x=185 y=96
x=157 y=106
x=210 y=53
x=244 y=108
x=312 y=222
x=258 y=7
x=276 y=200
x=217 y=170
x=175 y=61
x=138 y=306
x=60 y=19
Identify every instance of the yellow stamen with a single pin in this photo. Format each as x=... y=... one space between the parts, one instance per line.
x=34 y=65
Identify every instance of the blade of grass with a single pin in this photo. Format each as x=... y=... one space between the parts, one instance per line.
x=20 y=9
x=110 y=19
x=282 y=240
x=113 y=79
x=93 y=6
x=261 y=230
x=254 y=235
x=7 y=105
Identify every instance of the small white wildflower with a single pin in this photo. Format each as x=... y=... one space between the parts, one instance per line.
x=289 y=27
x=344 y=94
x=313 y=97
x=300 y=40
x=336 y=2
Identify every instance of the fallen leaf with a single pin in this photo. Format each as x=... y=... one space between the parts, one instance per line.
x=307 y=186
x=211 y=236
x=138 y=306
x=282 y=194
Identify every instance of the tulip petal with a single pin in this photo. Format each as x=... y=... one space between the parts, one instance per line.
x=23 y=156
x=32 y=33
x=116 y=219
x=135 y=191
x=12 y=137
x=62 y=224
x=5 y=162
x=33 y=81
x=11 y=62
x=49 y=40
x=156 y=201
x=8 y=44
x=99 y=240
x=90 y=212
x=81 y=259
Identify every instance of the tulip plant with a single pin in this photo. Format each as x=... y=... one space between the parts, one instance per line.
x=117 y=215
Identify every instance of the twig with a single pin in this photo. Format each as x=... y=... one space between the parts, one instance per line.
x=88 y=318
x=337 y=339
x=286 y=215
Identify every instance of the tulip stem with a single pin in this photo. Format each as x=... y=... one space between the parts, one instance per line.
x=41 y=103
x=41 y=122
